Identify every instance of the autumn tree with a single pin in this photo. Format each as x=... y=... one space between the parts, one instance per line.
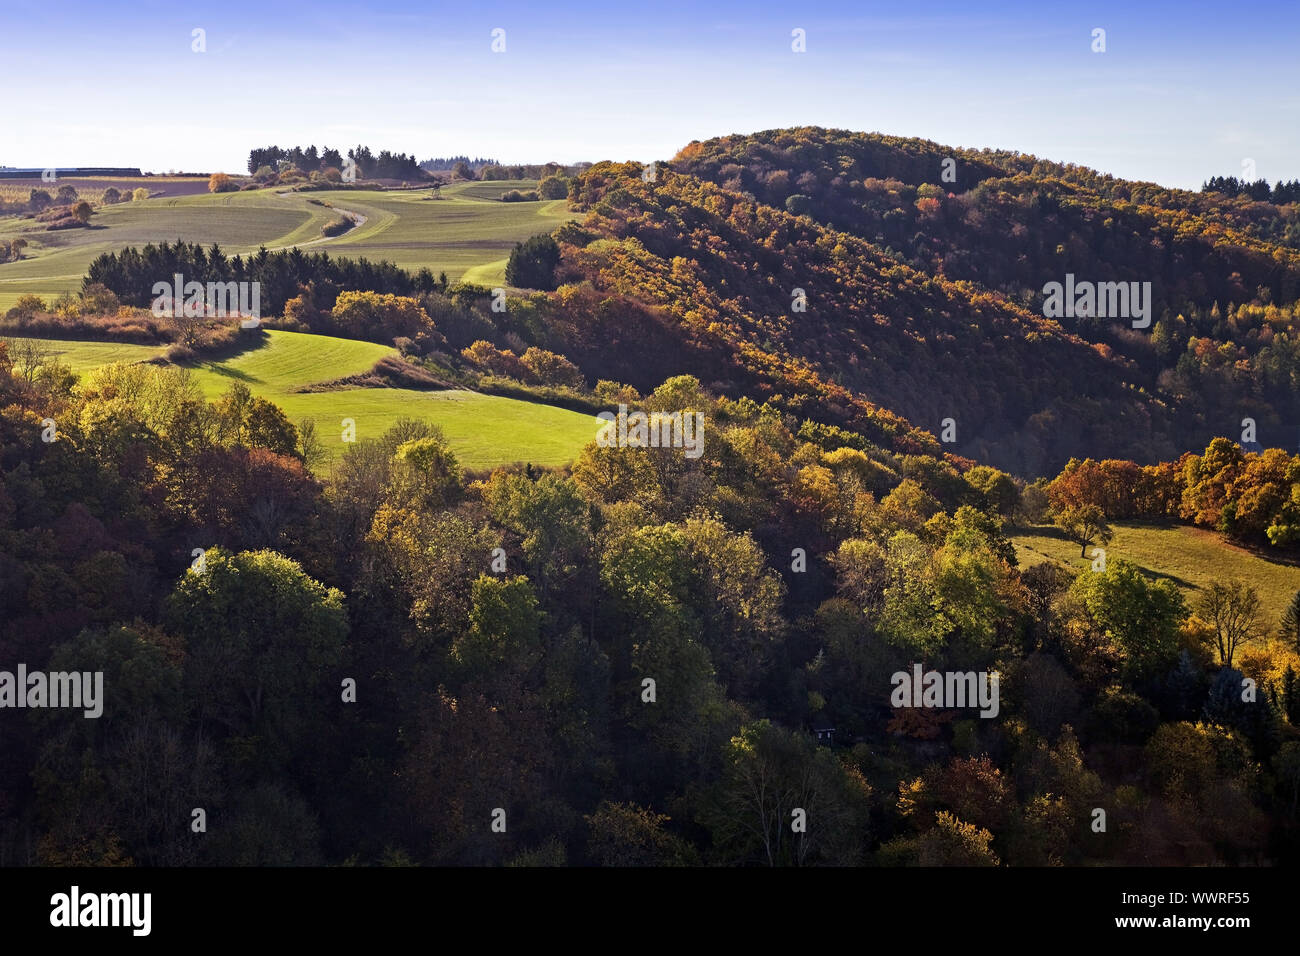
x=1233 y=609
x=1083 y=523
x=262 y=643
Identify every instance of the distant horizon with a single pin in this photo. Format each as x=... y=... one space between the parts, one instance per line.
x=243 y=170
x=1181 y=92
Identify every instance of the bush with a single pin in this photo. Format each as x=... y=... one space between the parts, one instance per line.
x=498 y=361
x=221 y=183
x=12 y=251
x=462 y=326
x=515 y=195
x=66 y=195
x=82 y=212
x=532 y=264
x=38 y=200
x=139 y=193
x=98 y=299
x=111 y=195
x=380 y=317
x=548 y=368
x=26 y=307
x=798 y=204
x=553 y=187
x=336 y=227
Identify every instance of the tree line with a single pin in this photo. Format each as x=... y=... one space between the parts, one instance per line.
x=383 y=165
x=132 y=272
x=1279 y=194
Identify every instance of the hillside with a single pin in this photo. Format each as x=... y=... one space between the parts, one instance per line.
x=1224 y=271
x=483 y=430
x=466 y=230
x=720 y=271
x=1190 y=557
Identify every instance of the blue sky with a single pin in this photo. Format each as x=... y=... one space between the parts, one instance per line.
x=1184 y=90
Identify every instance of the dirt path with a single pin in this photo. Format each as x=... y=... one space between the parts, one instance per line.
x=358 y=220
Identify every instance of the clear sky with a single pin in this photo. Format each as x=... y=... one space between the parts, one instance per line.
x=1183 y=91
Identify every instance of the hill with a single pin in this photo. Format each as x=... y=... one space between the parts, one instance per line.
x=1190 y=557
x=466 y=230
x=483 y=430
x=720 y=278
x=1224 y=271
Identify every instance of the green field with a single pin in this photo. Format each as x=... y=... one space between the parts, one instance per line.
x=84 y=356
x=1190 y=557
x=484 y=430
x=467 y=233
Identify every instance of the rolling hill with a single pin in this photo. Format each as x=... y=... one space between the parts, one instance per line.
x=467 y=232
x=1190 y=557
x=484 y=430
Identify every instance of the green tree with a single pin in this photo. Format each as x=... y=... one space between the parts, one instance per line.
x=553 y=187
x=1141 y=616
x=532 y=264
x=774 y=777
x=1233 y=609
x=550 y=516
x=1083 y=523
x=504 y=629
x=263 y=643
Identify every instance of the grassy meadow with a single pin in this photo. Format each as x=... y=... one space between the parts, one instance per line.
x=483 y=430
x=1190 y=557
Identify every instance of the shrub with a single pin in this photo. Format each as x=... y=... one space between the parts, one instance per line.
x=379 y=317
x=532 y=264
x=12 y=251
x=498 y=361
x=337 y=226
x=515 y=195
x=553 y=187
x=798 y=204
x=111 y=195
x=26 y=307
x=139 y=193
x=66 y=194
x=548 y=368
x=67 y=306
x=221 y=183
x=98 y=299
x=82 y=211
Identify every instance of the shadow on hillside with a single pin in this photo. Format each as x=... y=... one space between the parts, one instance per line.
x=247 y=341
x=1057 y=534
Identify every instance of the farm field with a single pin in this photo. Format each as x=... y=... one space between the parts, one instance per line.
x=483 y=430
x=1190 y=557
x=82 y=356
x=91 y=187
x=466 y=233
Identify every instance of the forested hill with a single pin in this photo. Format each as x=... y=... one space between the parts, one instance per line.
x=923 y=269
x=723 y=269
